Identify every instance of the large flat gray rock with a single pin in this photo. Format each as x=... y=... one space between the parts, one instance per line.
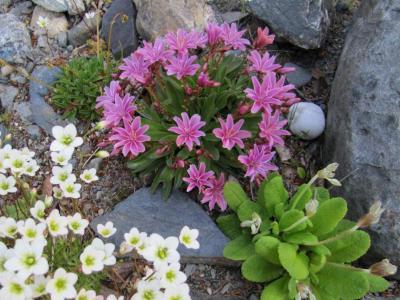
x=152 y=214
x=363 y=124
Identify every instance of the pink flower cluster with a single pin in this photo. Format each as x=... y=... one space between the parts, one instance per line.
x=177 y=54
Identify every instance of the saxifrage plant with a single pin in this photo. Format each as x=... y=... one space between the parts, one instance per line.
x=301 y=246
x=190 y=111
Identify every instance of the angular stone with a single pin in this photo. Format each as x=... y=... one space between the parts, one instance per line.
x=121 y=33
x=302 y=22
x=299 y=77
x=57 y=21
x=7 y=96
x=81 y=32
x=15 y=41
x=53 y=5
x=153 y=214
x=5 y=3
x=363 y=124
x=156 y=17
x=22 y=9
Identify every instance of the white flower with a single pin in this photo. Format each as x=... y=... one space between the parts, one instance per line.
x=7 y=185
x=90 y=14
x=148 y=290
x=27 y=259
x=71 y=190
x=161 y=251
x=113 y=297
x=86 y=295
x=31 y=231
x=180 y=292
x=13 y=287
x=5 y=158
x=5 y=254
x=76 y=224
x=188 y=237
x=92 y=260
x=108 y=249
x=106 y=230
x=62 y=285
x=30 y=168
x=39 y=285
x=27 y=153
x=58 y=193
x=62 y=157
x=62 y=174
x=134 y=238
x=57 y=224
x=42 y=22
x=17 y=162
x=8 y=227
x=254 y=223
x=89 y=175
x=170 y=275
x=65 y=138
x=38 y=211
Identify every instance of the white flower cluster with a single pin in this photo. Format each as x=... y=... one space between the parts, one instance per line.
x=62 y=149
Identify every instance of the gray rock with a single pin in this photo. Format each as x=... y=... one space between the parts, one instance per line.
x=15 y=41
x=233 y=16
x=17 y=78
x=4 y=4
x=81 y=32
x=57 y=22
x=62 y=39
x=7 y=96
x=72 y=6
x=302 y=22
x=3 y=131
x=299 y=77
x=34 y=132
x=122 y=32
x=363 y=125
x=157 y=17
x=22 y=9
x=152 y=214
x=95 y=163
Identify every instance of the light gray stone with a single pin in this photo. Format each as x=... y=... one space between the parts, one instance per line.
x=233 y=16
x=4 y=4
x=302 y=22
x=121 y=33
x=156 y=17
x=72 y=6
x=153 y=214
x=33 y=131
x=22 y=9
x=299 y=77
x=15 y=41
x=7 y=96
x=363 y=124
x=81 y=32
x=57 y=22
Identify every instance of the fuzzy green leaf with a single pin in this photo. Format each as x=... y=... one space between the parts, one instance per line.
x=246 y=210
x=377 y=284
x=289 y=218
x=300 y=238
x=257 y=269
x=317 y=262
x=240 y=248
x=322 y=194
x=230 y=225
x=301 y=197
x=350 y=247
x=296 y=264
x=274 y=193
x=277 y=290
x=328 y=216
x=343 y=283
x=234 y=195
x=267 y=247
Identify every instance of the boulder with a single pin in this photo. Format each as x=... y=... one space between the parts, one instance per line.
x=15 y=41
x=363 y=124
x=81 y=32
x=73 y=7
x=302 y=22
x=151 y=213
x=4 y=4
x=57 y=21
x=156 y=17
x=7 y=96
x=118 y=28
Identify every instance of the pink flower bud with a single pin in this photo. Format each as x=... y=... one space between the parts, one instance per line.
x=263 y=38
x=244 y=108
x=188 y=90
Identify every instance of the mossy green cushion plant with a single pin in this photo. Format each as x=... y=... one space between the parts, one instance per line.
x=301 y=246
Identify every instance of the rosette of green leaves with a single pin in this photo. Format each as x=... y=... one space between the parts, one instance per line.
x=292 y=249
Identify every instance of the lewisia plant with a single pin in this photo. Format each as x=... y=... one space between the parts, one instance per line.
x=193 y=107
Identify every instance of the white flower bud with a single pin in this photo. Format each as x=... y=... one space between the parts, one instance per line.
x=102 y=154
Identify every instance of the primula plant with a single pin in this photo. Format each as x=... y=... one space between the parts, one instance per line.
x=301 y=246
x=191 y=110
x=48 y=253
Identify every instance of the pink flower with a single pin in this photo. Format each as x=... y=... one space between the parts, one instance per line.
x=257 y=162
x=120 y=110
x=214 y=193
x=233 y=38
x=198 y=178
x=263 y=38
x=156 y=52
x=269 y=92
x=181 y=41
x=205 y=81
x=230 y=133
x=262 y=64
x=109 y=94
x=182 y=66
x=271 y=129
x=199 y=39
x=213 y=33
x=130 y=138
x=136 y=68
x=188 y=130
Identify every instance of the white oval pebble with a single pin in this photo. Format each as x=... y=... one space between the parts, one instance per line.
x=306 y=120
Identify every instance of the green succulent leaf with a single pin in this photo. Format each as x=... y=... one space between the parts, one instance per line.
x=276 y=290
x=274 y=193
x=267 y=247
x=240 y=248
x=257 y=269
x=295 y=263
x=301 y=197
x=290 y=218
x=377 y=284
x=234 y=195
x=300 y=238
x=230 y=225
x=317 y=262
x=322 y=194
x=246 y=210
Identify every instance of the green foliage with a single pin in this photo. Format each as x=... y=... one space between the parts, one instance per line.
x=294 y=248
x=81 y=82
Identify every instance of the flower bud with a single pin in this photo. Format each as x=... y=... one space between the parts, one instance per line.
x=383 y=268
x=57 y=193
x=102 y=154
x=48 y=201
x=244 y=108
x=372 y=217
x=124 y=248
x=8 y=137
x=100 y=125
x=311 y=207
x=254 y=223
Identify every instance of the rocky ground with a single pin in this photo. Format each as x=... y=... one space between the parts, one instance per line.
x=27 y=113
